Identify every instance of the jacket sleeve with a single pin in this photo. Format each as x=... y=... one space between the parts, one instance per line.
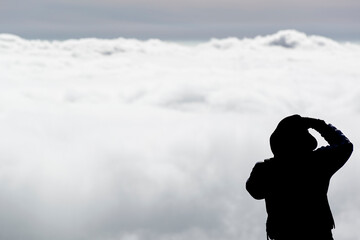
x=256 y=184
x=339 y=149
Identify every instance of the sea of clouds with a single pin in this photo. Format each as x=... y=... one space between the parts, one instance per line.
x=122 y=139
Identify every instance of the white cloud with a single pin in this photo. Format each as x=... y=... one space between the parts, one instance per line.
x=127 y=139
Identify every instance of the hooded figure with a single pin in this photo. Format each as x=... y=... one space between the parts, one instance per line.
x=291 y=136
x=294 y=183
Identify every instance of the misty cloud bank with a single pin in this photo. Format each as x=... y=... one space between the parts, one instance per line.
x=136 y=140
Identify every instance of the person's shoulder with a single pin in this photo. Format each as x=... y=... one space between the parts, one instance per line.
x=263 y=164
x=268 y=160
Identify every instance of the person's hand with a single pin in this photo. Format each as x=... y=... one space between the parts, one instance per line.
x=312 y=122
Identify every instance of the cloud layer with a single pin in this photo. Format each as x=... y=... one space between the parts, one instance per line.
x=131 y=140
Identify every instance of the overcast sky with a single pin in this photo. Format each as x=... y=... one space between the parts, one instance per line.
x=178 y=20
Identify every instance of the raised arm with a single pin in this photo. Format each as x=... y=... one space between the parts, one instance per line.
x=339 y=149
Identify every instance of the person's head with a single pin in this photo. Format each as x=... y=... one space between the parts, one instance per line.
x=292 y=137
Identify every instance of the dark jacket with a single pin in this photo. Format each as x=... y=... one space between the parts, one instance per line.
x=295 y=186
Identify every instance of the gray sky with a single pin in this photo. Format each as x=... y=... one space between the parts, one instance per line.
x=178 y=20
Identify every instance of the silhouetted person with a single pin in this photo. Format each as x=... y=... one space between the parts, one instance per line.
x=294 y=183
